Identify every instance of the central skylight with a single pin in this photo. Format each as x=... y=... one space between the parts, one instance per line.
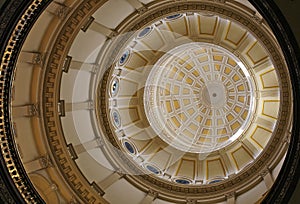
x=197 y=97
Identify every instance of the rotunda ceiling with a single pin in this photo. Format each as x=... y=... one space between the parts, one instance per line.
x=178 y=101
x=199 y=113
x=189 y=98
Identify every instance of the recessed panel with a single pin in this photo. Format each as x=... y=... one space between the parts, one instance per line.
x=215 y=168
x=269 y=79
x=186 y=168
x=241 y=157
x=261 y=136
x=207 y=24
x=235 y=34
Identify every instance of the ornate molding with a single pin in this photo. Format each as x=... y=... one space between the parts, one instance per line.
x=230 y=195
x=53 y=74
x=16 y=29
x=288 y=177
x=50 y=96
x=153 y=193
x=45 y=161
x=191 y=201
x=9 y=151
x=264 y=172
x=245 y=175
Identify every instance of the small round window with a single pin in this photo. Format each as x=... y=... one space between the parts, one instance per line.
x=116 y=118
x=114 y=87
x=129 y=147
x=216 y=180
x=173 y=17
x=182 y=181
x=144 y=32
x=152 y=169
x=124 y=57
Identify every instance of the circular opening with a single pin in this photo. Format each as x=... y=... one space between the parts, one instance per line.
x=129 y=147
x=144 y=32
x=173 y=17
x=213 y=82
x=124 y=57
x=116 y=118
x=216 y=180
x=183 y=181
x=114 y=87
x=152 y=169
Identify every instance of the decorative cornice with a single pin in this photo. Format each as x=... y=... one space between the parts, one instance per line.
x=264 y=172
x=45 y=161
x=246 y=175
x=282 y=187
x=53 y=74
x=230 y=195
x=153 y=193
x=288 y=177
x=50 y=95
x=17 y=21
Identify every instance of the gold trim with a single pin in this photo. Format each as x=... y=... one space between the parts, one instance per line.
x=143 y=41
x=263 y=108
x=180 y=164
x=262 y=81
x=168 y=23
x=258 y=61
x=214 y=29
x=165 y=187
x=66 y=165
x=253 y=139
x=13 y=170
x=235 y=162
x=212 y=160
x=240 y=40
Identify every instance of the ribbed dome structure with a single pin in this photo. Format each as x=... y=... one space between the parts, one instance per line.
x=147 y=101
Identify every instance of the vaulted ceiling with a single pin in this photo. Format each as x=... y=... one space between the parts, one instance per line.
x=141 y=101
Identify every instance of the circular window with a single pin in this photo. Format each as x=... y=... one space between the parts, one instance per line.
x=124 y=57
x=173 y=17
x=114 y=87
x=152 y=169
x=116 y=118
x=182 y=181
x=129 y=147
x=145 y=32
x=216 y=180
